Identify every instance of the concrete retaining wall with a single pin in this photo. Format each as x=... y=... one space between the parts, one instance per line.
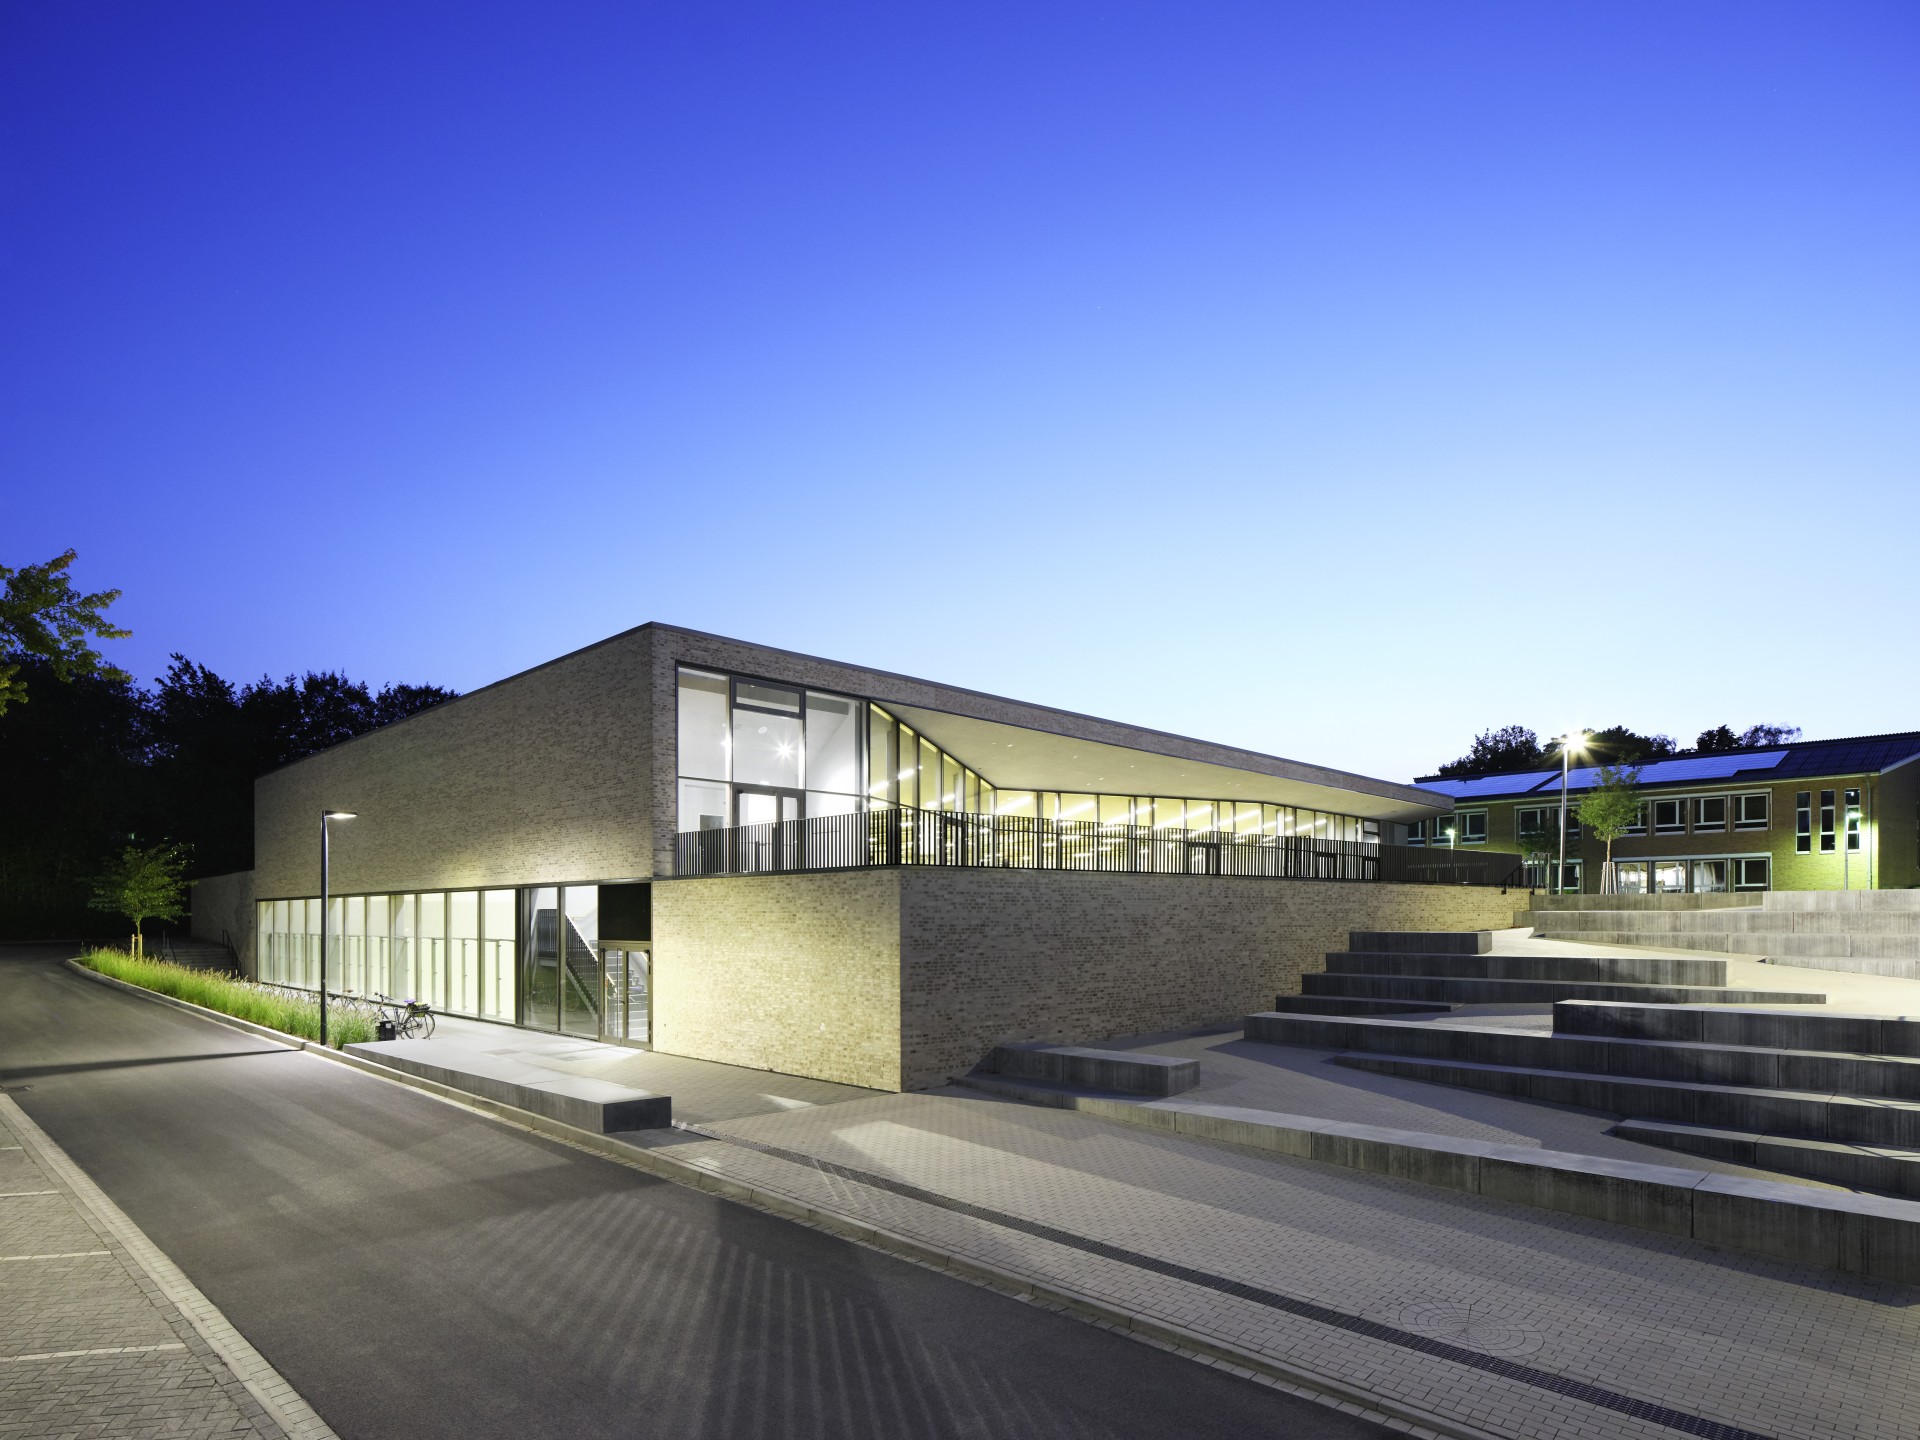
x=224 y=903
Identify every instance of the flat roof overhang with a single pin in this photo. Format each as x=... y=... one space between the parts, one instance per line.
x=1017 y=757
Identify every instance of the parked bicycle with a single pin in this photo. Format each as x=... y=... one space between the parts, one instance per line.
x=411 y=1019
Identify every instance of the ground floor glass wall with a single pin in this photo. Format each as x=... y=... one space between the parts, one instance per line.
x=454 y=949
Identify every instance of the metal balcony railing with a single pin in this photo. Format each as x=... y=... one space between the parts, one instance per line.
x=900 y=835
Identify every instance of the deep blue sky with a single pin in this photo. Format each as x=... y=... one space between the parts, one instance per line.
x=1337 y=380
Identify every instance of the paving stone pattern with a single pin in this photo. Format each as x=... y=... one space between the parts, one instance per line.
x=99 y=1342
x=1769 y=1348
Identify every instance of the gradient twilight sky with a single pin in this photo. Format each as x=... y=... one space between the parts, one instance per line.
x=1337 y=380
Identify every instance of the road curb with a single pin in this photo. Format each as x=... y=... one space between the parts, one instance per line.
x=1306 y=1383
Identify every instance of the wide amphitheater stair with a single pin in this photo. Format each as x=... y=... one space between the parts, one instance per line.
x=1384 y=973
x=1828 y=1097
x=1873 y=932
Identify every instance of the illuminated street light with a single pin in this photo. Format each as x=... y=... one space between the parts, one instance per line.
x=1569 y=742
x=325 y=816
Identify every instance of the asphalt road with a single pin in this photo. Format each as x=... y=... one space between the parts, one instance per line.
x=415 y=1270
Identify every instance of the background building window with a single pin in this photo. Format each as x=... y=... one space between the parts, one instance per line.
x=1826 y=822
x=1803 y=822
x=1709 y=877
x=1669 y=817
x=1750 y=812
x=1472 y=827
x=1630 y=877
x=1710 y=812
x=1852 y=801
x=1750 y=872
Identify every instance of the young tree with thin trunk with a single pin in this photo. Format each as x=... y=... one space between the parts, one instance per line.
x=143 y=884
x=1611 y=808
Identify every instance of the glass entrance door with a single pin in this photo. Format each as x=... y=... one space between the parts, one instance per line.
x=560 y=984
x=766 y=836
x=580 y=999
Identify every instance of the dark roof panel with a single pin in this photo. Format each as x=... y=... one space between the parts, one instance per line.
x=1860 y=755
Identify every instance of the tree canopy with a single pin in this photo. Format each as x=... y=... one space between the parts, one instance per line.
x=142 y=883
x=42 y=615
x=1515 y=748
x=100 y=763
x=1721 y=738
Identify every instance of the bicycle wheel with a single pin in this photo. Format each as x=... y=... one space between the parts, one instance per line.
x=427 y=1019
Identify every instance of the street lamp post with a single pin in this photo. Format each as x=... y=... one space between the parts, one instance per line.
x=325 y=816
x=1567 y=743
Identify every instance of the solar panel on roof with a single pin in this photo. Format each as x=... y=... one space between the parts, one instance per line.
x=1687 y=769
x=1478 y=785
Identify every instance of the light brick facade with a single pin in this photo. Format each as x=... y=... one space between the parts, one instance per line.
x=898 y=979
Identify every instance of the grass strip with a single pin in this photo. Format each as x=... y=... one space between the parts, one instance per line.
x=349 y=1021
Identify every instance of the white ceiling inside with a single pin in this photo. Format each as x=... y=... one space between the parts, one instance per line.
x=1016 y=758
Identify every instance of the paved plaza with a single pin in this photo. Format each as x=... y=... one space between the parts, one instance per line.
x=104 y=1336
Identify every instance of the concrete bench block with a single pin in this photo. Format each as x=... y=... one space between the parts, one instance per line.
x=598 y=1106
x=1131 y=1071
x=1388 y=1152
x=1647 y=1197
x=1767 y=1217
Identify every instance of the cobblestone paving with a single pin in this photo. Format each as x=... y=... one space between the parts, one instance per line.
x=100 y=1341
x=1776 y=1349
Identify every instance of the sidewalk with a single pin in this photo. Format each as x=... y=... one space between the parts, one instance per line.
x=103 y=1336
x=1486 y=1316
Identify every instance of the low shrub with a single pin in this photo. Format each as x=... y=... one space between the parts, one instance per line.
x=349 y=1021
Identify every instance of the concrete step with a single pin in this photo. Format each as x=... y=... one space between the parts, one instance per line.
x=1818 y=1115
x=1466 y=991
x=1724 y=922
x=1425 y=942
x=597 y=1105
x=1125 y=1071
x=1730 y=1025
x=1763 y=1068
x=1610 y=969
x=1861 y=1234
x=1886 y=1169
x=1351 y=1005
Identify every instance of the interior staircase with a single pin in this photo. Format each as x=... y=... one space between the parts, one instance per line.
x=1401 y=972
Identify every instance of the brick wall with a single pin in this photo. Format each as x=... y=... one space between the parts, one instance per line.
x=794 y=973
x=996 y=955
x=537 y=780
x=900 y=978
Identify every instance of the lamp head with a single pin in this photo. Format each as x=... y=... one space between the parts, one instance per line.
x=339 y=815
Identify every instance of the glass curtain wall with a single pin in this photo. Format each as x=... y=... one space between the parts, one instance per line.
x=750 y=737
x=453 y=949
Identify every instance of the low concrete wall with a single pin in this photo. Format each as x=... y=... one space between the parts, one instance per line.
x=225 y=903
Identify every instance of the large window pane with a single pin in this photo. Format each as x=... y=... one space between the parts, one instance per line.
x=540 y=949
x=463 y=952
x=833 y=749
x=703 y=725
x=496 y=976
x=929 y=774
x=766 y=748
x=580 y=961
x=703 y=805
x=430 y=957
x=882 y=757
x=400 y=949
x=379 y=942
x=908 y=775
